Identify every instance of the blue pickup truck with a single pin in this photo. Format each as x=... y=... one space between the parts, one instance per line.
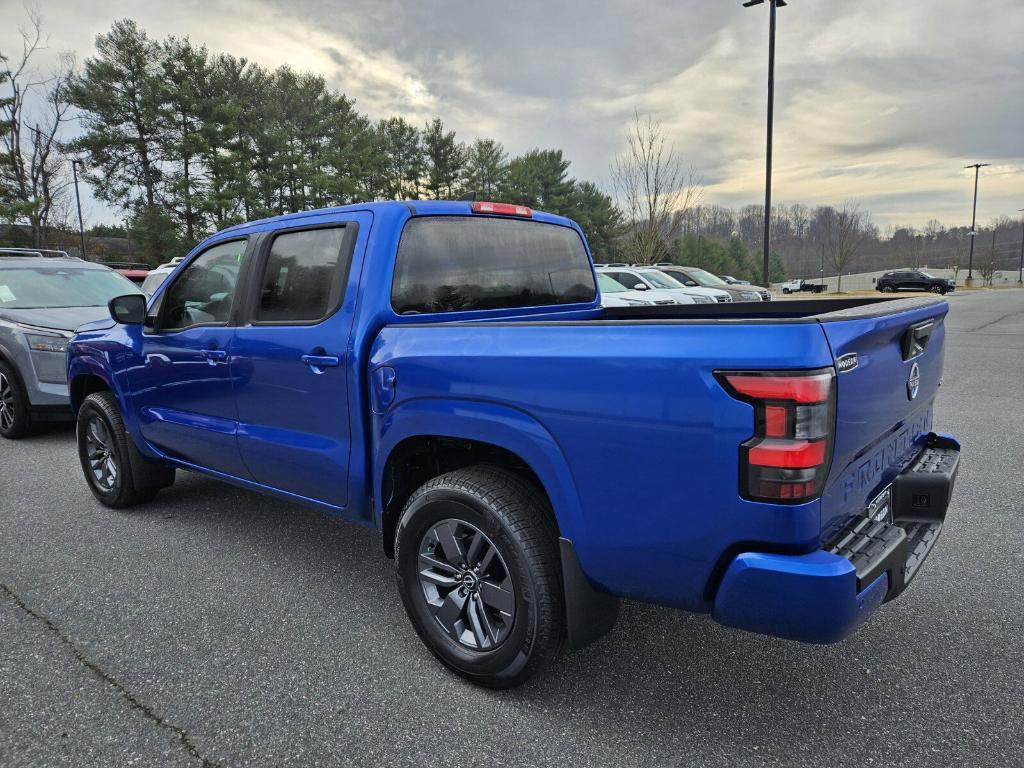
x=444 y=372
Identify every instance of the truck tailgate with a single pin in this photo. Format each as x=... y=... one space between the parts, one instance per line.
x=889 y=367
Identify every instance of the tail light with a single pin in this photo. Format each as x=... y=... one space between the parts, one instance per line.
x=502 y=209
x=788 y=456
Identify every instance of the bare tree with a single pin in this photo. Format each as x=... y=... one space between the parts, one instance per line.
x=654 y=189
x=32 y=114
x=800 y=219
x=988 y=266
x=843 y=233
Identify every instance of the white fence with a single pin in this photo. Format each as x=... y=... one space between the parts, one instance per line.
x=865 y=281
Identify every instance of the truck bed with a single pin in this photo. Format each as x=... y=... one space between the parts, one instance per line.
x=798 y=310
x=630 y=399
x=782 y=311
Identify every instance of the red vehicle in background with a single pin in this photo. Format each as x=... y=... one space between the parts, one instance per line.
x=133 y=270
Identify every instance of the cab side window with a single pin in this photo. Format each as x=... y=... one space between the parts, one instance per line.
x=303 y=278
x=203 y=293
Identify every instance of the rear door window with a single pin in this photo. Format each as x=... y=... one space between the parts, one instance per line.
x=462 y=263
x=304 y=274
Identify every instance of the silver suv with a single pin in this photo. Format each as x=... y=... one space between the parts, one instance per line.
x=42 y=301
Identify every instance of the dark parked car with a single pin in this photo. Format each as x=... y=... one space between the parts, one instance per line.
x=913 y=280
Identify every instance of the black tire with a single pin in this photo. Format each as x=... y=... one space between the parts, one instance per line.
x=888 y=289
x=786 y=291
x=117 y=474
x=15 y=419
x=515 y=519
x=938 y=289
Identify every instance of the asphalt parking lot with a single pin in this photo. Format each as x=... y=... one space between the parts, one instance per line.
x=218 y=627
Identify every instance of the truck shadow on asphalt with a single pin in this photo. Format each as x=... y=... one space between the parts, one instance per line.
x=660 y=674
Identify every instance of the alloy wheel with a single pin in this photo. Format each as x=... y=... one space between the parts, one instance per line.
x=6 y=403
x=100 y=453
x=466 y=584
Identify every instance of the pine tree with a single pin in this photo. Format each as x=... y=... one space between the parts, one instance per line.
x=446 y=159
x=185 y=72
x=486 y=169
x=402 y=160
x=599 y=219
x=121 y=96
x=539 y=179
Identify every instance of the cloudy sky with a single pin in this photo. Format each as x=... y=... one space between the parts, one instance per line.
x=880 y=101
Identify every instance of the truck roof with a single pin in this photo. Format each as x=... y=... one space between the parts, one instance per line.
x=415 y=207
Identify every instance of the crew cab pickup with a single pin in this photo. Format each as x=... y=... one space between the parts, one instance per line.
x=444 y=372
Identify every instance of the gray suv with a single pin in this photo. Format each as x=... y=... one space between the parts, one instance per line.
x=696 y=276
x=42 y=301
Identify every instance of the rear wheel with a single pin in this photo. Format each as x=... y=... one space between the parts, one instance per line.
x=479 y=574
x=888 y=289
x=118 y=475
x=15 y=420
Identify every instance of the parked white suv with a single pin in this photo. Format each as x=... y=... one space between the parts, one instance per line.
x=156 y=277
x=650 y=278
x=615 y=294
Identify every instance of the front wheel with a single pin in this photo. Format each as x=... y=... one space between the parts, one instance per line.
x=478 y=570
x=888 y=289
x=118 y=475
x=15 y=420
x=938 y=289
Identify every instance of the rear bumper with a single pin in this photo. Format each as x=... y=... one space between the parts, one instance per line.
x=824 y=596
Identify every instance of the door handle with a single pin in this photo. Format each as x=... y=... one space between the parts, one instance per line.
x=214 y=356
x=319 y=362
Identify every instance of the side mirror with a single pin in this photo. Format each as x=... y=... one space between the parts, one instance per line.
x=690 y=284
x=128 y=310
x=639 y=287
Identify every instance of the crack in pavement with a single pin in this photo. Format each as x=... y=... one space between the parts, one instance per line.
x=1007 y=316
x=134 y=702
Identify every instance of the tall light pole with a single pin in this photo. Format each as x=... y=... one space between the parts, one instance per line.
x=974 y=221
x=78 y=202
x=1020 y=274
x=774 y=6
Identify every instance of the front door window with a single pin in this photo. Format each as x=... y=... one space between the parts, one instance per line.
x=203 y=293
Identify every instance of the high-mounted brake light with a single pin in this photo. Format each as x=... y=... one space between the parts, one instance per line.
x=786 y=459
x=502 y=209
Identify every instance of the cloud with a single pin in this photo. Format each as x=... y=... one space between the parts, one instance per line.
x=877 y=100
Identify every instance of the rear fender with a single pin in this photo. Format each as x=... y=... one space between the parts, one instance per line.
x=505 y=427
x=589 y=614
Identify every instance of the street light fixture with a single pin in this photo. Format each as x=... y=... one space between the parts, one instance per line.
x=78 y=201
x=974 y=221
x=774 y=4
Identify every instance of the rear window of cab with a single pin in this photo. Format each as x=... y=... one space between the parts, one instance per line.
x=467 y=263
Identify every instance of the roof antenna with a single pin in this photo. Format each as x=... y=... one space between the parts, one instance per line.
x=469 y=197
